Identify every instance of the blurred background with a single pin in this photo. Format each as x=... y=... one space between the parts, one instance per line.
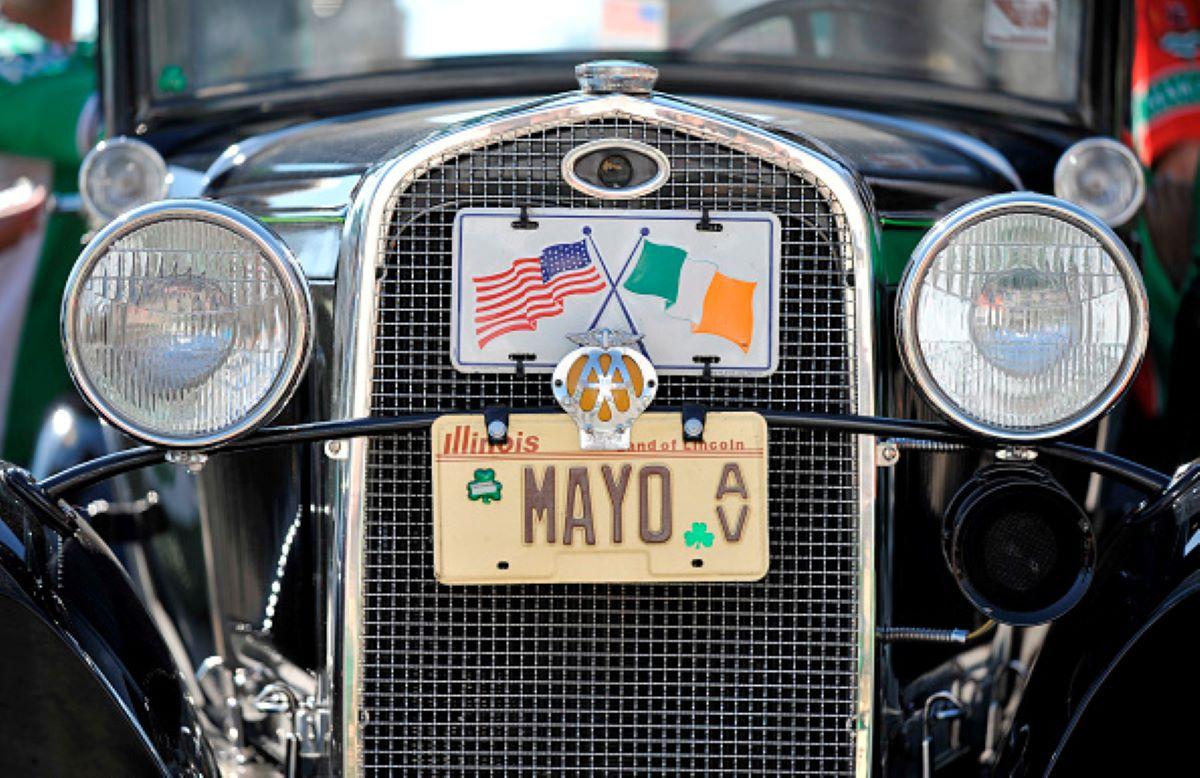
x=50 y=113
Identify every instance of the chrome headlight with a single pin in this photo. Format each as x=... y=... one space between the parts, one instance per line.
x=186 y=323
x=1103 y=176
x=119 y=175
x=1022 y=317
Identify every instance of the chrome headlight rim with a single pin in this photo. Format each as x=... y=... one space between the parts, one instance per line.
x=1061 y=171
x=931 y=246
x=161 y=171
x=292 y=280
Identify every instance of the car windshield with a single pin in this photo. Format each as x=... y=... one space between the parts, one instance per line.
x=1025 y=48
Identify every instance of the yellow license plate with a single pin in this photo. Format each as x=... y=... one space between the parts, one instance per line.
x=541 y=510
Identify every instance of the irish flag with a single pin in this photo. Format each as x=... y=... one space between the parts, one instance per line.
x=694 y=290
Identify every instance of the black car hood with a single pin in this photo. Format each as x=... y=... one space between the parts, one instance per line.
x=914 y=168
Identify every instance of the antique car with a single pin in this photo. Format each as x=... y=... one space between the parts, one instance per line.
x=754 y=402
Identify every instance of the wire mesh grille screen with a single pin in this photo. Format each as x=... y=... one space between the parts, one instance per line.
x=755 y=678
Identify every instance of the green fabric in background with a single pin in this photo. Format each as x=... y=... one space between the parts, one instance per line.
x=41 y=98
x=39 y=110
x=1163 y=297
x=40 y=375
x=17 y=39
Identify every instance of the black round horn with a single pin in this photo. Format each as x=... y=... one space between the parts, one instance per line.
x=1021 y=549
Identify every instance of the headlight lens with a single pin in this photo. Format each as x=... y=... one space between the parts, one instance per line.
x=1104 y=177
x=1024 y=321
x=186 y=323
x=119 y=175
x=1022 y=317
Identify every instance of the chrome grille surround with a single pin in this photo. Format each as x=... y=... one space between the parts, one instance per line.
x=356 y=342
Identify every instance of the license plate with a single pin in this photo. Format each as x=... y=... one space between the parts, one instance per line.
x=538 y=509
x=689 y=293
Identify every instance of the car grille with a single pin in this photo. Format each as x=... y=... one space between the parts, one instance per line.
x=746 y=678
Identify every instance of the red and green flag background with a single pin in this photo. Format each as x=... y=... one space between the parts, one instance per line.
x=1166 y=76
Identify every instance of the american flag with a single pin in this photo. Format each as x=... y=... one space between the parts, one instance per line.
x=532 y=289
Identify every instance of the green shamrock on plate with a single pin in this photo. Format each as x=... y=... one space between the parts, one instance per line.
x=485 y=487
x=698 y=536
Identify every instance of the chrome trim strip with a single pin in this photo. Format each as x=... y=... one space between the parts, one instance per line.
x=990 y=207
x=87 y=126
x=354 y=325
x=272 y=247
x=234 y=156
x=624 y=193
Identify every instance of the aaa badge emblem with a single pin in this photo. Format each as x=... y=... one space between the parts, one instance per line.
x=604 y=385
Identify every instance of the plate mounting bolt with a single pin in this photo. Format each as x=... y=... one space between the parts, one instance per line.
x=693 y=427
x=887 y=453
x=192 y=461
x=1016 y=454
x=497 y=430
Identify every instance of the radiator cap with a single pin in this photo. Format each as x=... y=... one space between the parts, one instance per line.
x=606 y=76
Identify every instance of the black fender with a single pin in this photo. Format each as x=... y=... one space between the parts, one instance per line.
x=1140 y=714
x=1114 y=676
x=87 y=685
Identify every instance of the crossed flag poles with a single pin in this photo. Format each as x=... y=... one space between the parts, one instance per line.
x=613 y=289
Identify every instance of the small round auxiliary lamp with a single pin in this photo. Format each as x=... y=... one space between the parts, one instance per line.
x=1021 y=550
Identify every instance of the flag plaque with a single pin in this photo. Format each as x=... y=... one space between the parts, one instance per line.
x=688 y=293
